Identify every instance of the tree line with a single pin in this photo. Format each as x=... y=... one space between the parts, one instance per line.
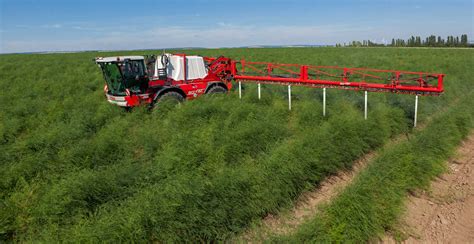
x=415 y=41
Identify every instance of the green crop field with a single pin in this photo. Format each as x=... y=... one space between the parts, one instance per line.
x=75 y=168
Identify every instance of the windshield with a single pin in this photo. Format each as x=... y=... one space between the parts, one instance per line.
x=113 y=77
x=127 y=75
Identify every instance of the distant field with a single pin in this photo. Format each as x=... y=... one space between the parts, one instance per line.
x=73 y=167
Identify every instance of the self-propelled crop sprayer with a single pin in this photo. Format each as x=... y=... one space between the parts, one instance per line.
x=135 y=80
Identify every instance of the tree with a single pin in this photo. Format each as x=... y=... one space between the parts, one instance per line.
x=432 y=41
x=464 y=40
x=449 y=41
x=440 y=41
x=418 y=41
x=411 y=41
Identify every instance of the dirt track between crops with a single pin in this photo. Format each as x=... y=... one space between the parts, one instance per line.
x=308 y=203
x=444 y=213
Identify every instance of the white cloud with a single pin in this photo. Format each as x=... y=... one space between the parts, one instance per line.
x=53 y=26
x=230 y=35
x=86 y=28
x=22 y=26
x=222 y=35
x=91 y=37
x=223 y=24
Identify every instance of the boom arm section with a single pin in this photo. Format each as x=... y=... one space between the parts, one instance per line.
x=376 y=80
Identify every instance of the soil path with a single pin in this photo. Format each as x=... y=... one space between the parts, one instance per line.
x=445 y=213
x=306 y=206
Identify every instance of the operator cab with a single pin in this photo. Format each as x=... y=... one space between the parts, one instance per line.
x=124 y=73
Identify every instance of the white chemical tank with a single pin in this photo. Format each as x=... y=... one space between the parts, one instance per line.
x=196 y=68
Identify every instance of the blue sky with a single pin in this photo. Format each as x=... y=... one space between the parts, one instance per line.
x=55 y=25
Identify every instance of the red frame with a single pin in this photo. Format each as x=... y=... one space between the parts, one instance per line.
x=419 y=83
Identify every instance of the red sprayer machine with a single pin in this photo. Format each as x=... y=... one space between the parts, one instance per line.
x=135 y=80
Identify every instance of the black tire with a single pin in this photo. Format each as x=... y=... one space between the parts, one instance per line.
x=172 y=96
x=169 y=99
x=217 y=90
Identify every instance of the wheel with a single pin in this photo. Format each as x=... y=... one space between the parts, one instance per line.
x=171 y=96
x=169 y=99
x=217 y=90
